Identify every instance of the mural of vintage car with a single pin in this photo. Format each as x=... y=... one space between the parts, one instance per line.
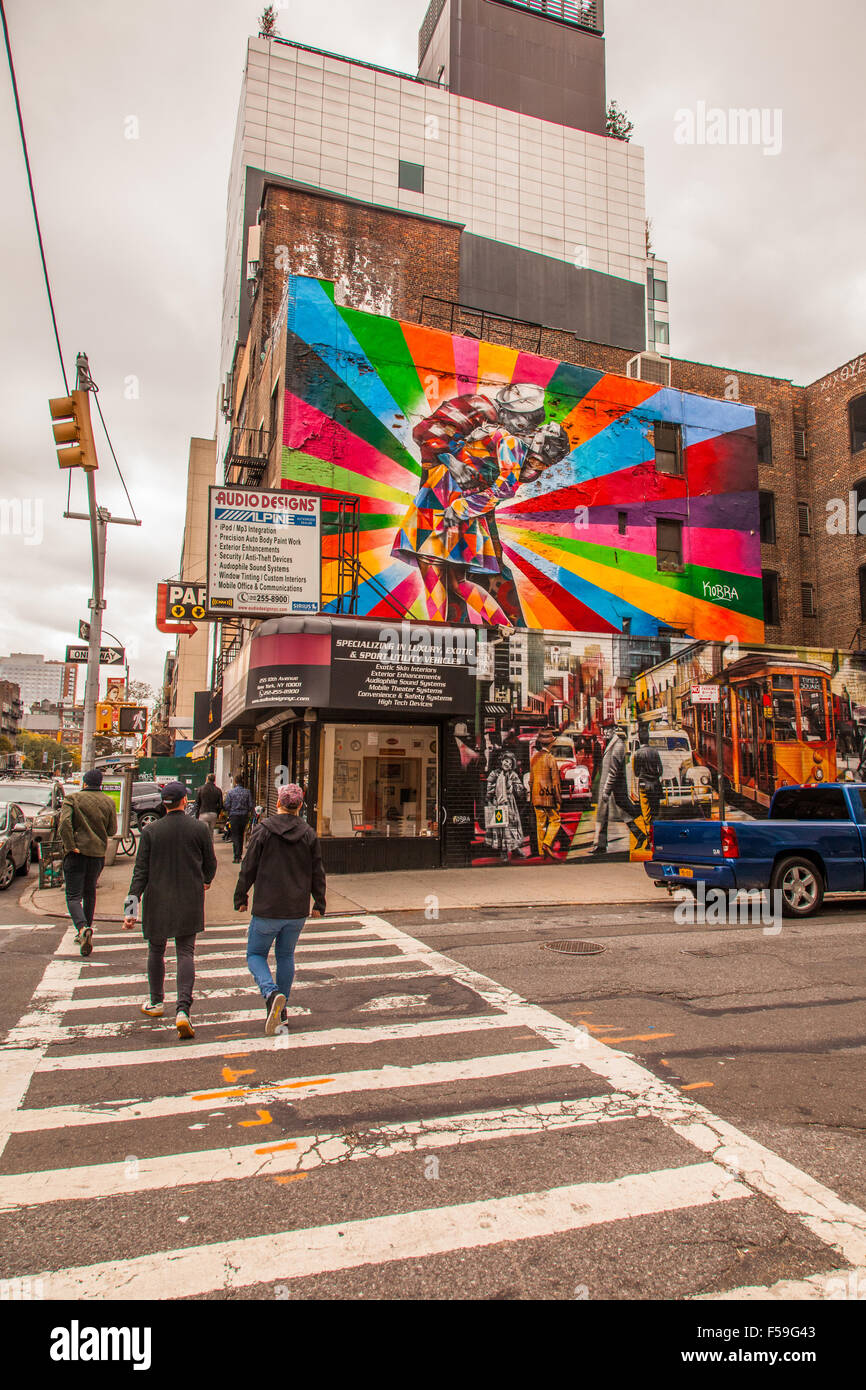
x=684 y=780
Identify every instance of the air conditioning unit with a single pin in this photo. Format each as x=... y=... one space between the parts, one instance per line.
x=650 y=366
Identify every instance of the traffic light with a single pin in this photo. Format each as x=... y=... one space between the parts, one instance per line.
x=74 y=429
x=104 y=718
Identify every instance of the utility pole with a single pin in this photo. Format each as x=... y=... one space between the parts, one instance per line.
x=79 y=433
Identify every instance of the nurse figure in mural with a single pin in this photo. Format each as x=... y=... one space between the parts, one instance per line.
x=475 y=453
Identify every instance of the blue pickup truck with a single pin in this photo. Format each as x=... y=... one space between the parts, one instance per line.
x=813 y=842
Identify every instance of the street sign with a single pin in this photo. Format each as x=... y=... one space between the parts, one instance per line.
x=264 y=553
x=108 y=656
x=132 y=719
x=705 y=694
x=83 y=631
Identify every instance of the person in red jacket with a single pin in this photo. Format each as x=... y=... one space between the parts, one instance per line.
x=284 y=861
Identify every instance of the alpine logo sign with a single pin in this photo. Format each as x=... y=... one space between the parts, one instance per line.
x=264 y=553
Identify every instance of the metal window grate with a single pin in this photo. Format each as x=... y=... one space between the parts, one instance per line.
x=585 y=14
x=431 y=19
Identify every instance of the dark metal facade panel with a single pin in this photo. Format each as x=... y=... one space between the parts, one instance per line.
x=504 y=279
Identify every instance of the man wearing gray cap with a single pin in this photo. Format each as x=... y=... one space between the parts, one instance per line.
x=87 y=819
x=176 y=864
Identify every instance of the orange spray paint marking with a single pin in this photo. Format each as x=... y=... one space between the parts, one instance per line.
x=294 y=1085
x=222 y=1037
x=275 y=1148
x=232 y=1056
x=232 y=1076
x=221 y=1095
x=291 y=1177
x=641 y=1037
x=264 y=1119
x=697 y=1085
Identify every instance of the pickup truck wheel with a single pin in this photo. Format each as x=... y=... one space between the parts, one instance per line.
x=801 y=886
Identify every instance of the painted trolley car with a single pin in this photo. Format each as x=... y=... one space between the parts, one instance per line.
x=778 y=727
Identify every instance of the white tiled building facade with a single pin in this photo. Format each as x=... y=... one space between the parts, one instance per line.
x=333 y=124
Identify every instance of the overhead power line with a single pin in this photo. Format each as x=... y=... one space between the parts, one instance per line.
x=32 y=194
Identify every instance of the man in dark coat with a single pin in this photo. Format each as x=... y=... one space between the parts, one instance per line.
x=284 y=861
x=176 y=864
x=209 y=802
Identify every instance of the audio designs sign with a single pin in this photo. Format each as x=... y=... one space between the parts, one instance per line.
x=264 y=553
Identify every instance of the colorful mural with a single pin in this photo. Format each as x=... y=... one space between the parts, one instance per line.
x=498 y=487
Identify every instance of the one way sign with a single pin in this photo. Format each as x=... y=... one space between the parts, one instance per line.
x=108 y=656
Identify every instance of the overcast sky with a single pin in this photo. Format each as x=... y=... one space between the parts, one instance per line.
x=767 y=252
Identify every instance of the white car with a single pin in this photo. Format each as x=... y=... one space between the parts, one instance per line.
x=683 y=780
x=40 y=800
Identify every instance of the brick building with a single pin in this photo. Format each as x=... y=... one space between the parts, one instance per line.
x=11 y=708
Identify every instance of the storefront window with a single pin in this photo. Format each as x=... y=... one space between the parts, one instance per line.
x=380 y=780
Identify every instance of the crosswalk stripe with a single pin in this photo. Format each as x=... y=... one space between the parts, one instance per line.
x=326 y=1037
x=313 y=942
x=378 y=1079
x=835 y=1283
x=307 y=1152
x=298 y=1254
x=114 y=980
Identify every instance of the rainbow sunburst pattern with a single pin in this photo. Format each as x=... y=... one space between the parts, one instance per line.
x=358 y=383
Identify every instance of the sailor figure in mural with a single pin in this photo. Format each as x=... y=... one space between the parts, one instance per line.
x=503 y=829
x=475 y=453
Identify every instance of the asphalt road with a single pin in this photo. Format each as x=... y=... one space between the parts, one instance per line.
x=422 y=1132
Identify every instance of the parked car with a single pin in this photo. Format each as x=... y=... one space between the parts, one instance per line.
x=40 y=800
x=147 y=804
x=813 y=842
x=15 y=841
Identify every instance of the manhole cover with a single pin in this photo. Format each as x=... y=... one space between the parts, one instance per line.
x=574 y=948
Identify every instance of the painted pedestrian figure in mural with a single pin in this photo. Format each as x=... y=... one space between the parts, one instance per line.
x=648 y=771
x=505 y=792
x=545 y=793
x=613 y=792
x=475 y=453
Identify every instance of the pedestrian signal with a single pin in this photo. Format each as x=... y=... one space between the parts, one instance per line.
x=104 y=718
x=132 y=719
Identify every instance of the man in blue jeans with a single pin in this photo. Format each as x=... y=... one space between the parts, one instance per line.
x=284 y=861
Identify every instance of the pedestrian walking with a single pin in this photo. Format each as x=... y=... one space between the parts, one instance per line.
x=284 y=861
x=176 y=865
x=238 y=807
x=545 y=794
x=87 y=820
x=209 y=802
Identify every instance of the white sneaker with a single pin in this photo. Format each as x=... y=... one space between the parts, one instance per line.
x=152 y=1010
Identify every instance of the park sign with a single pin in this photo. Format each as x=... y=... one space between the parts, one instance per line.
x=264 y=553
x=108 y=656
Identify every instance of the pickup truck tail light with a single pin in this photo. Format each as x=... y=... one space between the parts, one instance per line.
x=730 y=845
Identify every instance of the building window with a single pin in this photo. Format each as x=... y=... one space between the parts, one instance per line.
x=669 y=545
x=662 y=332
x=767 y=507
x=668 y=447
x=622 y=522
x=379 y=780
x=660 y=290
x=765 y=436
x=275 y=411
x=807 y=598
x=805 y=514
x=857 y=421
x=411 y=176
x=770 y=584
